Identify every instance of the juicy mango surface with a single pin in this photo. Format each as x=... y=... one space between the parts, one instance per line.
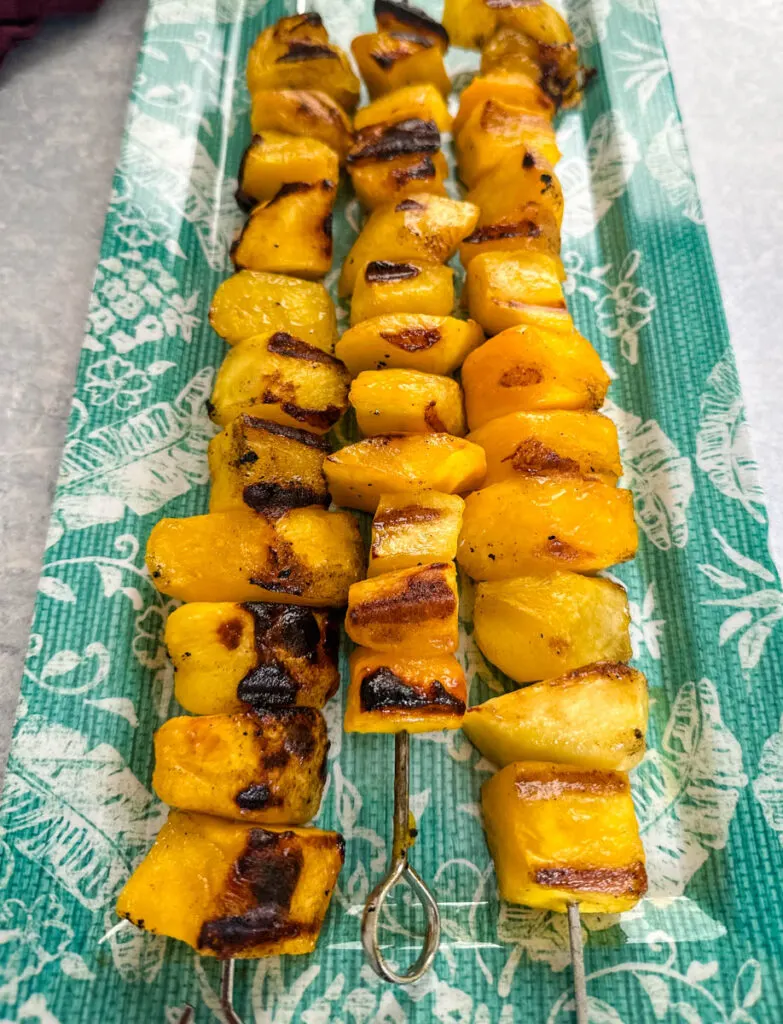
x=422 y=99
x=384 y=288
x=274 y=159
x=518 y=180
x=531 y=228
x=275 y=63
x=413 y=529
x=407 y=401
x=388 y=61
x=495 y=130
x=511 y=87
x=505 y=289
x=305 y=112
x=432 y=344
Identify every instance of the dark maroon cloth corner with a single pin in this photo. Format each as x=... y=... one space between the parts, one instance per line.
x=21 y=19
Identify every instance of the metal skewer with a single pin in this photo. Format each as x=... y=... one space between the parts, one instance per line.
x=400 y=870
x=226 y=997
x=577 y=963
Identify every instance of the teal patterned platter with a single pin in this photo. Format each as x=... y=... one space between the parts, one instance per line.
x=78 y=811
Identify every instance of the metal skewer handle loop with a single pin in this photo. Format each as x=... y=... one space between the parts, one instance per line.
x=400 y=871
x=577 y=963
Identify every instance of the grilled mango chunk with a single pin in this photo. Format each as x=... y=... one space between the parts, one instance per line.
x=560 y=834
x=277 y=62
x=511 y=87
x=360 y=473
x=391 y=60
x=528 y=369
x=410 y=610
x=513 y=184
x=230 y=889
x=284 y=379
x=395 y=159
x=303 y=112
x=401 y=17
x=496 y=130
x=594 y=717
x=275 y=159
x=308 y=556
x=420 y=100
x=263 y=766
x=504 y=289
x=531 y=228
x=415 y=528
x=261 y=465
x=538 y=627
x=388 y=693
x=540 y=523
x=563 y=441
x=424 y=228
x=230 y=657
x=469 y=23
x=253 y=303
x=432 y=344
x=407 y=402
x=291 y=233
x=386 y=288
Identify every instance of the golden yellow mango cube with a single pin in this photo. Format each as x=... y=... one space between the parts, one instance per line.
x=424 y=228
x=308 y=27
x=291 y=233
x=537 y=524
x=532 y=228
x=469 y=23
x=304 y=112
x=593 y=717
x=262 y=465
x=283 y=379
x=384 y=288
x=390 y=60
x=389 y=693
x=407 y=402
x=230 y=657
x=513 y=184
x=399 y=16
x=252 y=303
x=394 y=159
x=360 y=473
x=563 y=441
x=263 y=766
x=537 y=19
x=496 y=130
x=411 y=610
x=307 y=556
x=275 y=159
x=231 y=889
x=559 y=834
x=526 y=369
x=511 y=87
x=419 y=100
x=409 y=341
x=505 y=289
x=539 y=627
x=413 y=529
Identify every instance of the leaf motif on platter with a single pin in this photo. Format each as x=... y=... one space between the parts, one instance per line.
x=668 y=162
x=686 y=789
x=191 y=12
x=587 y=19
x=592 y=185
x=659 y=476
x=644 y=68
x=647 y=8
x=723 y=442
x=768 y=784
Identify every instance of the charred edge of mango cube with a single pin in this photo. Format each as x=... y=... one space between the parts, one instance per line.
x=612 y=669
x=386 y=59
x=257 y=797
x=533 y=457
x=388 y=10
x=293 y=23
x=408 y=204
x=245 y=201
x=413 y=339
x=384 y=691
x=314 y=107
x=551 y=781
x=292 y=433
x=274 y=499
x=303 y=49
x=433 y=421
x=388 y=140
x=622 y=881
x=520 y=376
x=386 y=272
x=421 y=171
x=287 y=575
x=497 y=232
x=291 y=188
x=407 y=515
x=425 y=595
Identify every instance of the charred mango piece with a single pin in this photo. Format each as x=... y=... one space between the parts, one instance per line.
x=496 y=130
x=420 y=100
x=262 y=465
x=400 y=17
x=231 y=657
x=511 y=87
x=410 y=610
x=386 y=288
x=230 y=889
x=527 y=369
x=513 y=184
x=395 y=159
x=414 y=528
x=290 y=234
x=303 y=112
x=388 y=693
x=407 y=402
x=283 y=379
x=504 y=289
x=391 y=60
x=424 y=228
x=557 y=53
x=563 y=441
x=512 y=51
x=275 y=159
x=253 y=303
x=538 y=627
x=559 y=834
x=360 y=473
x=308 y=27
x=594 y=717
x=469 y=23
x=276 y=62
x=262 y=766
x=532 y=228
x=538 y=524
x=308 y=556
x=433 y=344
